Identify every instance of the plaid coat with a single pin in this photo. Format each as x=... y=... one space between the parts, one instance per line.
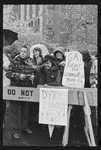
x=17 y=67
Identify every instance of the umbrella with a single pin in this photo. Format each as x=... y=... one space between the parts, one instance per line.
x=42 y=47
x=9 y=37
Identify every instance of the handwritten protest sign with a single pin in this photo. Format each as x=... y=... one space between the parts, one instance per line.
x=20 y=93
x=53 y=106
x=74 y=70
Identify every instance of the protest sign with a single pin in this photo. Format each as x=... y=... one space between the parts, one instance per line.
x=53 y=106
x=20 y=93
x=74 y=70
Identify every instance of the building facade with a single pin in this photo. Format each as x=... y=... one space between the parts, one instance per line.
x=57 y=22
x=45 y=19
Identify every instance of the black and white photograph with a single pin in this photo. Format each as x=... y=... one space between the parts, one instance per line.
x=50 y=75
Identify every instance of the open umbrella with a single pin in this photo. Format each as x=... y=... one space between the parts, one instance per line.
x=9 y=37
x=42 y=47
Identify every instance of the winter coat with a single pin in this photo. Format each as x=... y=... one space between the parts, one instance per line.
x=6 y=81
x=53 y=76
x=93 y=75
x=39 y=61
x=87 y=68
x=88 y=63
x=17 y=67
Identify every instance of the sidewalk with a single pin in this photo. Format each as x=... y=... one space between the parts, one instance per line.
x=40 y=137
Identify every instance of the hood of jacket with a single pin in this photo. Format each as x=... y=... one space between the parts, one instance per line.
x=60 y=49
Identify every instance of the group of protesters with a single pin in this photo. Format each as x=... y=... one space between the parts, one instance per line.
x=24 y=71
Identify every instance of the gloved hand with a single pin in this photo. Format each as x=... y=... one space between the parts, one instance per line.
x=32 y=77
x=22 y=76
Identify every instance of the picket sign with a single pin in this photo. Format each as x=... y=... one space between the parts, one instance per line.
x=73 y=75
x=85 y=97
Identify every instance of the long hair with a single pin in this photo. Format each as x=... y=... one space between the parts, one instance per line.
x=40 y=55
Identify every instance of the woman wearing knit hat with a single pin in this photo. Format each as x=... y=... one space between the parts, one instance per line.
x=59 y=53
x=51 y=73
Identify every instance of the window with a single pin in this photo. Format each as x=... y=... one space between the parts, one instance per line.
x=30 y=11
x=31 y=24
x=49 y=21
x=37 y=25
x=51 y=7
x=38 y=21
x=50 y=31
x=25 y=12
x=37 y=9
x=19 y=12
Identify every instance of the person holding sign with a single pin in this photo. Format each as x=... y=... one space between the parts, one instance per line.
x=51 y=72
x=78 y=109
x=22 y=75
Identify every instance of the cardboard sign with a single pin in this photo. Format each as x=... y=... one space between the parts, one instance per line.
x=74 y=70
x=53 y=106
x=20 y=93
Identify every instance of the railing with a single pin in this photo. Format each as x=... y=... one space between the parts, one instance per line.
x=85 y=97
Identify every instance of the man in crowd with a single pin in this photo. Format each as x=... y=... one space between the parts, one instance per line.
x=21 y=75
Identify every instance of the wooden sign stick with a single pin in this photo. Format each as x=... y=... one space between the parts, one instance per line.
x=66 y=130
x=89 y=120
x=87 y=136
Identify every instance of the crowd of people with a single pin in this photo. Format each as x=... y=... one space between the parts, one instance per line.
x=24 y=71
